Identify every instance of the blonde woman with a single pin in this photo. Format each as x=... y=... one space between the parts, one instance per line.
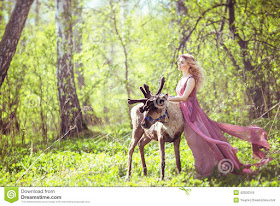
x=204 y=136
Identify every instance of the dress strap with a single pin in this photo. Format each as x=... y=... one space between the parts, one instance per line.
x=187 y=81
x=189 y=77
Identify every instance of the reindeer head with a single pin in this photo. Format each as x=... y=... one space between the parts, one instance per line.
x=154 y=107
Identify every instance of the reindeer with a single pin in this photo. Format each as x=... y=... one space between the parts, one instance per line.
x=156 y=119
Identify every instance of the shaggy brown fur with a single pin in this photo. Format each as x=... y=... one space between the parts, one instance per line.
x=164 y=130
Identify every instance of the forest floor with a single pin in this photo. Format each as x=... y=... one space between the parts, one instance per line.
x=101 y=160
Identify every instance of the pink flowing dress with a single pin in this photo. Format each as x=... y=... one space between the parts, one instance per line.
x=208 y=144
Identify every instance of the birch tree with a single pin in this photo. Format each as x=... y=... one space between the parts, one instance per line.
x=70 y=111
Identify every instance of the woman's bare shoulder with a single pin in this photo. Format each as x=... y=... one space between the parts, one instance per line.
x=191 y=81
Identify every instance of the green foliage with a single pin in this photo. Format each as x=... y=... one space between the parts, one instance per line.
x=102 y=161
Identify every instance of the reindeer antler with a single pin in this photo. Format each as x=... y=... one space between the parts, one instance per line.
x=162 y=81
x=133 y=101
x=146 y=92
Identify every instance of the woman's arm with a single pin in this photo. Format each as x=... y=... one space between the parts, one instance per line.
x=189 y=87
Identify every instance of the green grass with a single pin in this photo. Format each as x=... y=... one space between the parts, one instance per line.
x=101 y=160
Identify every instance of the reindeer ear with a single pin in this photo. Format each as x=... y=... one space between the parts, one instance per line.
x=141 y=109
x=148 y=105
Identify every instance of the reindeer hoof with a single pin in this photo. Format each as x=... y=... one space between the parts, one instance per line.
x=127 y=178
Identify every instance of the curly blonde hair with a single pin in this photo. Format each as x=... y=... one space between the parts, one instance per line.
x=195 y=69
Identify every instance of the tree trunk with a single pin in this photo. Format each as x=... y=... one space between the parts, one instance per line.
x=71 y=115
x=77 y=12
x=254 y=92
x=77 y=32
x=182 y=10
x=11 y=36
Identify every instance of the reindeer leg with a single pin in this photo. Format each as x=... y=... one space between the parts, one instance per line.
x=177 y=153
x=143 y=141
x=136 y=135
x=162 y=154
